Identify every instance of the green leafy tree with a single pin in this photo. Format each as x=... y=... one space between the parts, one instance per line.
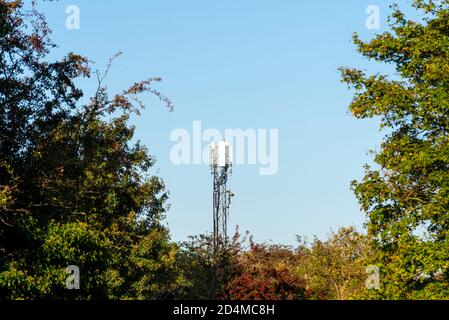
x=407 y=197
x=208 y=271
x=74 y=190
x=335 y=268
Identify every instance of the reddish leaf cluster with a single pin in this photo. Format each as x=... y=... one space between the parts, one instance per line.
x=267 y=273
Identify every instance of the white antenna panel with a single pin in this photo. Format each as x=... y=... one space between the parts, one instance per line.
x=220 y=154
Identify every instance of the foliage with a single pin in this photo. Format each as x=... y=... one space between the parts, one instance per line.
x=73 y=189
x=267 y=273
x=246 y=270
x=336 y=267
x=208 y=271
x=407 y=198
x=239 y=270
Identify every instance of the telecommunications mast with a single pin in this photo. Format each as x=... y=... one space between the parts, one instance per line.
x=221 y=168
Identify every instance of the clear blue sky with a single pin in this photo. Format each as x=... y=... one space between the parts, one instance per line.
x=242 y=64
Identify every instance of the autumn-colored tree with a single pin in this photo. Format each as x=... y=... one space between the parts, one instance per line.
x=407 y=197
x=239 y=270
x=335 y=268
x=74 y=190
x=267 y=272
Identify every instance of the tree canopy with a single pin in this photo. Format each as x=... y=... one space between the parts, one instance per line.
x=407 y=197
x=74 y=190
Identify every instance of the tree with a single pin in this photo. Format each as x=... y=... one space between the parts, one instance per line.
x=335 y=268
x=407 y=197
x=267 y=272
x=73 y=189
x=240 y=270
x=208 y=272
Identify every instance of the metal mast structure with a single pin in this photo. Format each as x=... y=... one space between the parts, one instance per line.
x=221 y=169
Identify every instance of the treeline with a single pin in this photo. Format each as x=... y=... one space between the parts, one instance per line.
x=74 y=189
x=244 y=270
